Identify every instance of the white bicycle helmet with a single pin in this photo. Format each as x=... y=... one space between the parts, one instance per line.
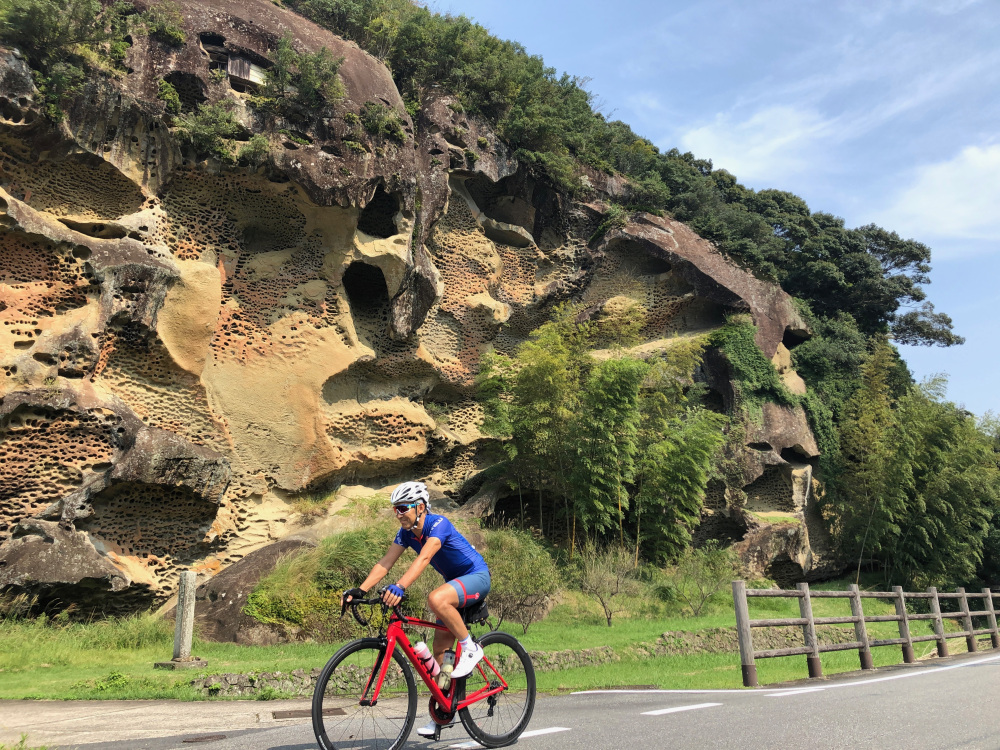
x=411 y=492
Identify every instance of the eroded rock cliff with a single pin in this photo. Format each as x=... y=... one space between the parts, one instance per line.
x=187 y=345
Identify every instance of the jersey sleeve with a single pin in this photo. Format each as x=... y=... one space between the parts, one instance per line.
x=399 y=539
x=441 y=529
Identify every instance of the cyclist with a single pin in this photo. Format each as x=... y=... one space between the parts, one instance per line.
x=437 y=543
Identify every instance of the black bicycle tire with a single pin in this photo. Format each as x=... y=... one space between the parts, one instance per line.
x=475 y=731
x=319 y=727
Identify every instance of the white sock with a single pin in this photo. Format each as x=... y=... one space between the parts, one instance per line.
x=466 y=642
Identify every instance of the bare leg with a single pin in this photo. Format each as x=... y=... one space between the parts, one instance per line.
x=443 y=602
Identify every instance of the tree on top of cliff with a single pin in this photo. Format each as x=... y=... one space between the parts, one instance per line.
x=47 y=30
x=551 y=121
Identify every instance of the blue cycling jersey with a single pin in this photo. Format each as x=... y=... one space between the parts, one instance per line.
x=455 y=558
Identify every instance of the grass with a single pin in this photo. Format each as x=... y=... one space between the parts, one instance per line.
x=114 y=659
x=23 y=745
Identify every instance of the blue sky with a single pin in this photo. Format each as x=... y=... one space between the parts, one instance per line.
x=880 y=111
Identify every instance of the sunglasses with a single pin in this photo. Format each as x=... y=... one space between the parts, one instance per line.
x=401 y=509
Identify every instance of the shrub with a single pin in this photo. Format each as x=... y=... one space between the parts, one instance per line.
x=609 y=575
x=168 y=94
x=47 y=30
x=163 y=23
x=315 y=77
x=616 y=217
x=210 y=127
x=256 y=150
x=318 y=80
x=755 y=379
x=380 y=120
x=524 y=576
x=304 y=588
x=701 y=573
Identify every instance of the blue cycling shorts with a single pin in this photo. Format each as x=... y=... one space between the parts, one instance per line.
x=471 y=588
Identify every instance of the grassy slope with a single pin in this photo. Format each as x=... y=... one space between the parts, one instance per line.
x=114 y=660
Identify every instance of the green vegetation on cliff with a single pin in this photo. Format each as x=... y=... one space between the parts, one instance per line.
x=604 y=449
x=869 y=273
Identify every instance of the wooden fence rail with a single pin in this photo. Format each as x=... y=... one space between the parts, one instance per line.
x=812 y=647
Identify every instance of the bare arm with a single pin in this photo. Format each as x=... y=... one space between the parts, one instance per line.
x=381 y=568
x=416 y=568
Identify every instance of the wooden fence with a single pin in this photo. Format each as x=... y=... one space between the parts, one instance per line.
x=812 y=648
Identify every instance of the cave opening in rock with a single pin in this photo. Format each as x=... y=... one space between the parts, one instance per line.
x=378 y=218
x=190 y=89
x=792 y=338
x=368 y=297
x=795 y=455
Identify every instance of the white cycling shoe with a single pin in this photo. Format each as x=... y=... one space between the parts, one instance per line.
x=428 y=729
x=470 y=658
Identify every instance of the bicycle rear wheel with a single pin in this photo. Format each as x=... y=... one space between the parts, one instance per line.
x=341 y=721
x=499 y=720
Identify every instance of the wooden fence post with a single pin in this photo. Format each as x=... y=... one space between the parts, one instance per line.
x=992 y=617
x=747 y=663
x=809 y=632
x=970 y=636
x=904 y=625
x=942 y=644
x=860 y=630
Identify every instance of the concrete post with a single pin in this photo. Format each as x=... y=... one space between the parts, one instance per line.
x=185 y=617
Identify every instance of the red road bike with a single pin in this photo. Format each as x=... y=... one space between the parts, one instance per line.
x=366 y=696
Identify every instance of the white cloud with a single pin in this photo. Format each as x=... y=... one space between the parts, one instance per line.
x=772 y=144
x=958 y=198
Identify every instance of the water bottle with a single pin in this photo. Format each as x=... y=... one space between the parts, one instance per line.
x=427 y=659
x=447 y=666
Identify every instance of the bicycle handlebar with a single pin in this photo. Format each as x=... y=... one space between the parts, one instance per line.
x=354 y=603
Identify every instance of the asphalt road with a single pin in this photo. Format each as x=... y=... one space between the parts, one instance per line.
x=955 y=704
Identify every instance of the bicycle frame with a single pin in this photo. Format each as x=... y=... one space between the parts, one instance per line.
x=395 y=635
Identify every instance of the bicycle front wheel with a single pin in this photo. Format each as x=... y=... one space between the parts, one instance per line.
x=499 y=719
x=343 y=718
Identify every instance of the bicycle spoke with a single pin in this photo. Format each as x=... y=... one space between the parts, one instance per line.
x=346 y=724
x=499 y=718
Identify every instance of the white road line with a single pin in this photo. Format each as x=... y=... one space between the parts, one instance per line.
x=770 y=691
x=783 y=693
x=676 y=709
x=532 y=733
x=931 y=670
x=653 y=692
x=550 y=730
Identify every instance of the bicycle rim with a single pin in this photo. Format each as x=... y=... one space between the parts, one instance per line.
x=340 y=722
x=499 y=720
